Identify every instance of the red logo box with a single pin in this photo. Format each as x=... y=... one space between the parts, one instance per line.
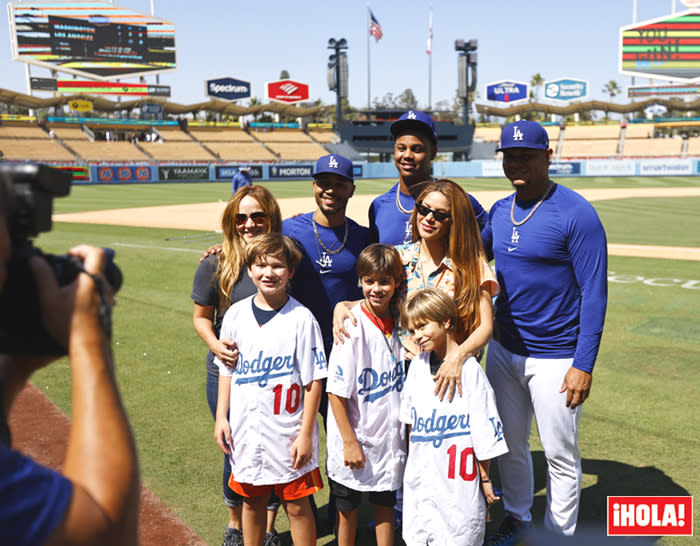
x=650 y=516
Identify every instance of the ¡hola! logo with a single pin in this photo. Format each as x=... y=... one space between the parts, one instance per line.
x=650 y=516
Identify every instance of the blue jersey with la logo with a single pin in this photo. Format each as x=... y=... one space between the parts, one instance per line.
x=551 y=263
x=324 y=278
x=443 y=503
x=276 y=362
x=390 y=217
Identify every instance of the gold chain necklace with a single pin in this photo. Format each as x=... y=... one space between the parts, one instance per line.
x=318 y=238
x=529 y=215
x=398 y=202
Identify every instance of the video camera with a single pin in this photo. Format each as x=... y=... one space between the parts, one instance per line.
x=28 y=191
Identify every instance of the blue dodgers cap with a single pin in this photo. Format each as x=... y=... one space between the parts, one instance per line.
x=414 y=120
x=335 y=164
x=524 y=134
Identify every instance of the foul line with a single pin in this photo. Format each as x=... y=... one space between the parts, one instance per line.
x=151 y=247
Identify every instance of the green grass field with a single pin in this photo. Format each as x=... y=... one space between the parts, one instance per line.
x=638 y=436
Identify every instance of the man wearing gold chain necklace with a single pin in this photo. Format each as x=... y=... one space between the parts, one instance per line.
x=330 y=243
x=415 y=147
x=551 y=262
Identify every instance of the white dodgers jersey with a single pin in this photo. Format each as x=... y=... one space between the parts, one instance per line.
x=277 y=360
x=443 y=503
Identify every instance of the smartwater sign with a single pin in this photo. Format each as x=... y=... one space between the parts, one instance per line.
x=565 y=89
x=228 y=89
x=506 y=91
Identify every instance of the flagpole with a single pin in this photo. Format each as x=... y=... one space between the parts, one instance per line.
x=369 y=102
x=430 y=61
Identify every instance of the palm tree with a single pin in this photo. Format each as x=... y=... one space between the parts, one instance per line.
x=612 y=89
x=535 y=82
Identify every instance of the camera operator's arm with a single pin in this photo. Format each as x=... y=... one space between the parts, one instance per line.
x=101 y=457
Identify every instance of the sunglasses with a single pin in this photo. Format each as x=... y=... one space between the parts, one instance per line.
x=439 y=215
x=256 y=217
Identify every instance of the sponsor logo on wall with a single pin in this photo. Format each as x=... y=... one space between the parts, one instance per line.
x=291 y=171
x=177 y=172
x=227 y=171
x=124 y=173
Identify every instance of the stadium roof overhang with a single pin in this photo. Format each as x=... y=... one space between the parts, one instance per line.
x=105 y=105
x=578 y=107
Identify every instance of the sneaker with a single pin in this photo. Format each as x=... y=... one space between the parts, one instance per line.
x=509 y=533
x=272 y=539
x=233 y=537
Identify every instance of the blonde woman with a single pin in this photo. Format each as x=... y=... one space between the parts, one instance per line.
x=220 y=281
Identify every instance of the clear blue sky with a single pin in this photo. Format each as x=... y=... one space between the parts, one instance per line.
x=255 y=40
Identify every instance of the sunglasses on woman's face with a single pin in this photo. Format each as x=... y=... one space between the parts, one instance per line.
x=256 y=217
x=439 y=215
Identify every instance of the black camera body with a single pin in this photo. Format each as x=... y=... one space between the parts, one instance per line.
x=29 y=190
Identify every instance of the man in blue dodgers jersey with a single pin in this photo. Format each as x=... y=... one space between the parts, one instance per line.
x=551 y=262
x=330 y=243
x=415 y=147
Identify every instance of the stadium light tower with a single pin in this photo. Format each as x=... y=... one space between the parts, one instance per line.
x=466 y=63
x=338 y=73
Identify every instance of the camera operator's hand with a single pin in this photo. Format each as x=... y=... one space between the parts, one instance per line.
x=68 y=310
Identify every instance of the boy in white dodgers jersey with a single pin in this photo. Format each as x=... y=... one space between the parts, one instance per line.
x=273 y=394
x=451 y=442
x=366 y=442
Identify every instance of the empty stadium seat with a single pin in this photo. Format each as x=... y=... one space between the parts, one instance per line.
x=644 y=147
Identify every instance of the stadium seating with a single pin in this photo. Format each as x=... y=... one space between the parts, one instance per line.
x=220 y=135
x=589 y=148
x=639 y=130
x=324 y=137
x=70 y=133
x=176 y=151
x=592 y=132
x=487 y=134
x=280 y=135
x=108 y=151
x=241 y=151
x=173 y=134
x=694 y=146
x=34 y=150
x=652 y=147
x=22 y=131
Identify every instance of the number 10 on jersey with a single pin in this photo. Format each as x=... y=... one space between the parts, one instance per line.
x=292 y=399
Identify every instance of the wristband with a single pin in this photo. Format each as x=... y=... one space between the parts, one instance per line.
x=485 y=481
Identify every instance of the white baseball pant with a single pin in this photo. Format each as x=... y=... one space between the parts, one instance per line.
x=524 y=385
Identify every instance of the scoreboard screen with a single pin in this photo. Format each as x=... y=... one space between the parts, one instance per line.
x=94 y=40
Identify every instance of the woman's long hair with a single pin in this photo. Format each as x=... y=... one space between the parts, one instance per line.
x=463 y=246
x=231 y=257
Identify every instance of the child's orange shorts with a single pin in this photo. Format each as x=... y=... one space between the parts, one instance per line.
x=306 y=485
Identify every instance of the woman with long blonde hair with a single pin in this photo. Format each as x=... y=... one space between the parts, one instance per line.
x=221 y=280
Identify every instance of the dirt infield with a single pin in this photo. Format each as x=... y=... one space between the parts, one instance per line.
x=206 y=216
x=40 y=429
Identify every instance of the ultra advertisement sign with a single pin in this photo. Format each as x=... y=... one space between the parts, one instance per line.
x=506 y=91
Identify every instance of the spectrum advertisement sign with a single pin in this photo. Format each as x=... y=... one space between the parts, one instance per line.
x=228 y=89
x=565 y=90
x=227 y=172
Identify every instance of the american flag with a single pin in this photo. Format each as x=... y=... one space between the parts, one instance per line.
x=375 y=29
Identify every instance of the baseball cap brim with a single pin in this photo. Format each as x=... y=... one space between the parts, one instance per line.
x=523 y=145
x=403 y=126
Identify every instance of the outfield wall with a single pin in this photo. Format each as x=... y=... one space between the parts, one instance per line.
x=139 y=174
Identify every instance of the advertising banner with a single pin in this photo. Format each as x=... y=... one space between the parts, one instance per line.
x=78 y=105
x=291 y=171
x=565 y=168
x=610 y=167
x=565 y=90
x=183 y=172
x=124 y=173
x=506 y=91
x=228 y=89
x=665 y=167
x=226 y=172
x=287 y=91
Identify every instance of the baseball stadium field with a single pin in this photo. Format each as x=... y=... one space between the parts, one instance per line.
x=638 y=433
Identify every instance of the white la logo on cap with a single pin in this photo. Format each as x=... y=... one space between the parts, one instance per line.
x=411 y=115
x=517 y=134
x=332 y=164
